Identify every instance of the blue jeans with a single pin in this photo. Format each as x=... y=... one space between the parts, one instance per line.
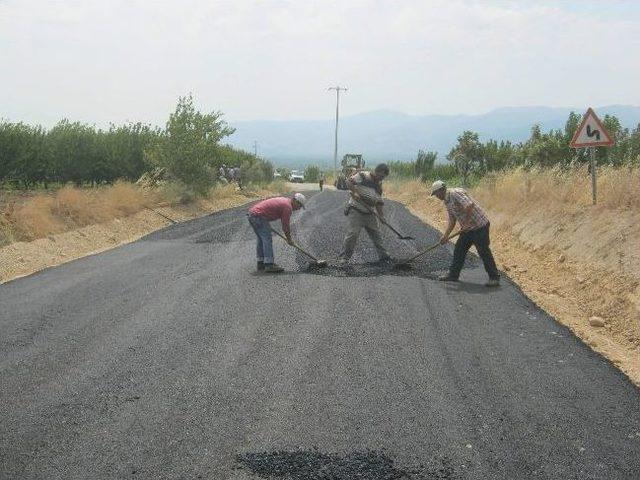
x=264 y=248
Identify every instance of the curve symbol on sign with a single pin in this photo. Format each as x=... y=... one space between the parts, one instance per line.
x=592 y=133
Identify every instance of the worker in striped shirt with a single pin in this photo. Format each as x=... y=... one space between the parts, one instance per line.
x=474 y=225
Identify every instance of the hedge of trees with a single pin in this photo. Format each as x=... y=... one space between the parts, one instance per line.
x=189 y=148
x=472 y=158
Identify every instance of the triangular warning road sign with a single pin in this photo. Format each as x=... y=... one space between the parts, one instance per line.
x=591 y=133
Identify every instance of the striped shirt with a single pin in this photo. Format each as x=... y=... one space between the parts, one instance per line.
x=456 y=200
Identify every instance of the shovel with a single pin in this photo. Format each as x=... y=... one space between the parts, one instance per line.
x=400 y=236
x=316 y=262
x=405 y=264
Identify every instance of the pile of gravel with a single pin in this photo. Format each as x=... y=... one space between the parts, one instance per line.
x=315 y=465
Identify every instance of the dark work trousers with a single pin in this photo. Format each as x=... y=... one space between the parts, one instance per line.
x=480 y=238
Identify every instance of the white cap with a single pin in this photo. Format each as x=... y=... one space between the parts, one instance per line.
x=300 y=198
x=437 y=185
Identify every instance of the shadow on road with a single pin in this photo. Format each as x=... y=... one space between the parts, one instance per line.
x=472 y=288
x=315 y=465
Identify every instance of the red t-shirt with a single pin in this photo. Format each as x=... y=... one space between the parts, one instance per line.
x=274 y=208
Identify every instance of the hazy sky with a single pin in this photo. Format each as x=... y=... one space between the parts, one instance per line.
x=118 y=60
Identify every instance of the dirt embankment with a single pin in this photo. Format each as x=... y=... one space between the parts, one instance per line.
x=580 y=263
x=67 y=225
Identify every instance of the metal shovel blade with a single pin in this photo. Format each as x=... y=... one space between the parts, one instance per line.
x=319 y=264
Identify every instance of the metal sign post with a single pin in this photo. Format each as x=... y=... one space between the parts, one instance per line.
x=594 y=182
x=591 y=133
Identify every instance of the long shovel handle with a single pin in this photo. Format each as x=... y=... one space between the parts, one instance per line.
x=427 y=250
x=372 y=211
x=293 y=244
x=401 y=236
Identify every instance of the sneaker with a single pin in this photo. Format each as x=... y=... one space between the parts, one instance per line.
x=447 y=278
x=493 y=282
x=272 y=268
x=260 y=266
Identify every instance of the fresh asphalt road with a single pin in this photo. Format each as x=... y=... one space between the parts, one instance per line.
x=171 y=358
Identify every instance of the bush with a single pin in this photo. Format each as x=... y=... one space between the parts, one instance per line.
x=312 y=174
x=187 y=148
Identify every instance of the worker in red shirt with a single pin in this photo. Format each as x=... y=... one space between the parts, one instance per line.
x=267 y=211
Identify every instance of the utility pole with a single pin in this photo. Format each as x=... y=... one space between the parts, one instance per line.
x=335 y=147
x=255 y=148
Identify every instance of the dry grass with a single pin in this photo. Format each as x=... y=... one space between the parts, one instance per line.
x=223 y=191
x=35 y=218
x=45 y=214
x=124 y=199
x=618 y=188
x=7 y=232
x=274 y=187
x=407 y=191
x=75 y=206
x=27 y=217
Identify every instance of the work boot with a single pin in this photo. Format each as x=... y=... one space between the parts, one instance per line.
x=260 y=266
x=447 y=278
x=493 y=282
x=272 y=268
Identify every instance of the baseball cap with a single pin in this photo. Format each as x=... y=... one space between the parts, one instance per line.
x=300 y=198
x=437 y=185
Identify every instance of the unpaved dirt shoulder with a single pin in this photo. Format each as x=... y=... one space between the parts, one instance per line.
x=24 y=258
x=570 y=289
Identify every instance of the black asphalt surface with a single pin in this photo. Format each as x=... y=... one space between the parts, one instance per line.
x=171 y=358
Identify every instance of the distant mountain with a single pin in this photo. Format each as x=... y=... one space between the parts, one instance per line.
x=388 y=135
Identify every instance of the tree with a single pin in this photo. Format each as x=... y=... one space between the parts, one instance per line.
x=571 y=125
x=466 y=155
x=424 y=163
x=311 y=173
x=615 y=154
x=632 y=147
x=188 y=146
x=497 y=156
